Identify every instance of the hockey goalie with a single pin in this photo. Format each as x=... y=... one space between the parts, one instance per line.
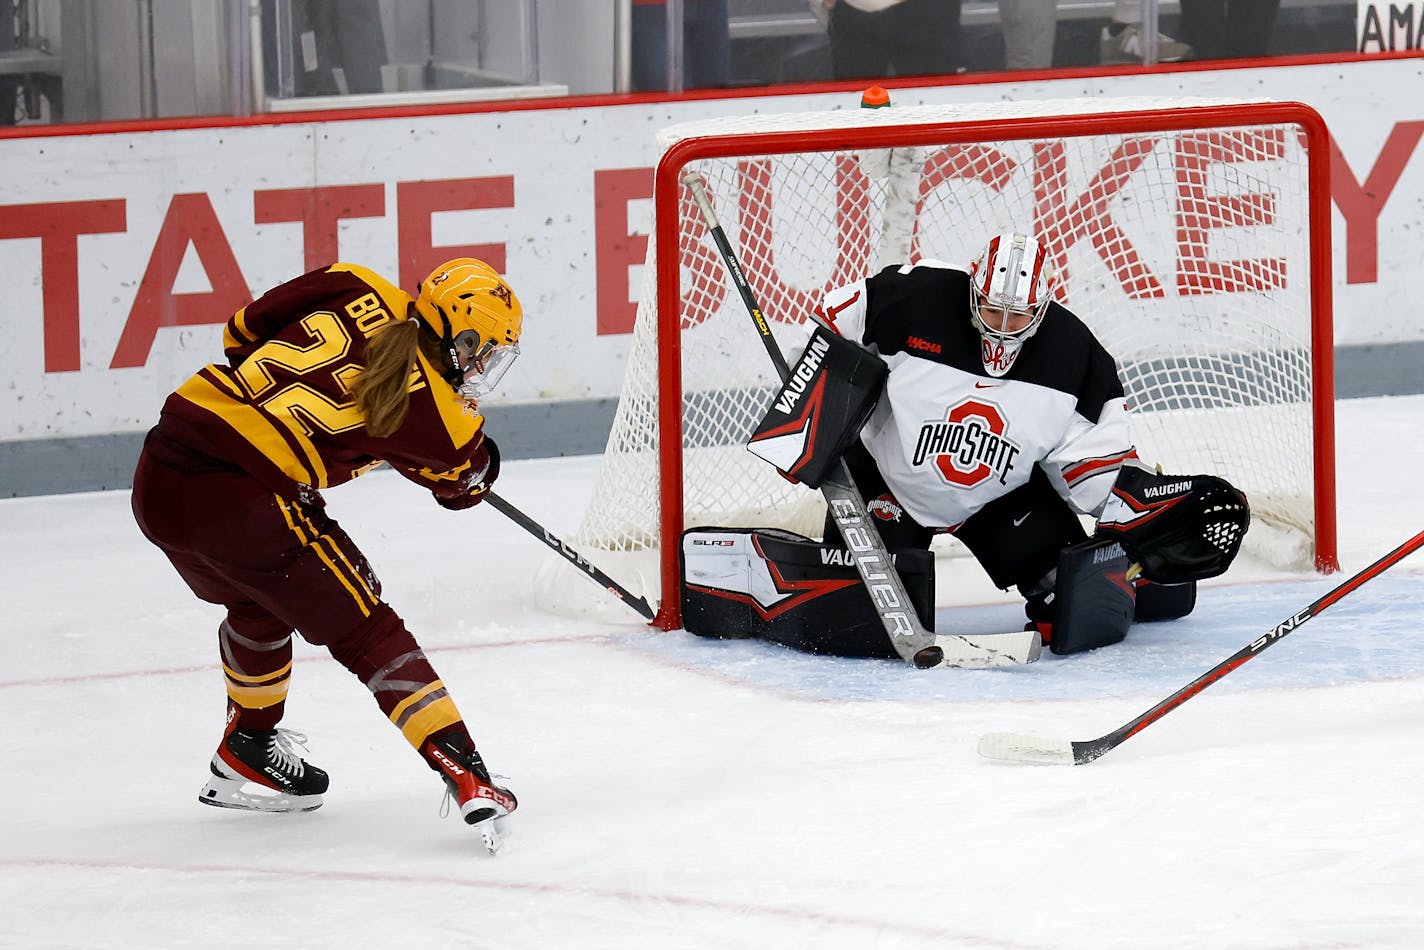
x=969 y=402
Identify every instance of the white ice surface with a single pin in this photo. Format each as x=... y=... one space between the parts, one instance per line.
x=676 y=792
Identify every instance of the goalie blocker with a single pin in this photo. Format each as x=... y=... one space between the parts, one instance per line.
x=820 y=408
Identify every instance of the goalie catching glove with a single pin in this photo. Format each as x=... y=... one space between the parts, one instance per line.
x=1178 y=528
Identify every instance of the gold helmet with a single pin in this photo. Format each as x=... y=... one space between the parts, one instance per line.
x=478 y=320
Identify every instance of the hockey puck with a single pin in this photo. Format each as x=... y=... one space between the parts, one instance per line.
x=929 y=658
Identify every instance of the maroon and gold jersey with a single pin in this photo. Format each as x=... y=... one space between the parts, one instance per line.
x=282 y=407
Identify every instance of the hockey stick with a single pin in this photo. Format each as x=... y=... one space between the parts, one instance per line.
x=1012 y=747
x=569 y=554
x=916 y=645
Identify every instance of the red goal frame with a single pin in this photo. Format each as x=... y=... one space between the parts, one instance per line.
x=668 y=185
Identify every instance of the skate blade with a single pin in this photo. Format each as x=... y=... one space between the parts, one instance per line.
x=223 y=792
x=492 y=833
x=482 y=820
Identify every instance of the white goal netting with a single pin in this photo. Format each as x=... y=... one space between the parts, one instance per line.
x=1183 y=232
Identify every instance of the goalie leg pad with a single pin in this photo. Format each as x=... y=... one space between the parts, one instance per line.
x=1164 y=601
x=1093 y=602
x=820 y=408
x=777 y=586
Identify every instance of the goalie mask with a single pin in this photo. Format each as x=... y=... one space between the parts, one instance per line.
x=1012 y=282
x=478 y=320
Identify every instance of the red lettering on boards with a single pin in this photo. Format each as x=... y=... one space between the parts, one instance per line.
x=1360 y=204
x=58 y=226
x=191 y=221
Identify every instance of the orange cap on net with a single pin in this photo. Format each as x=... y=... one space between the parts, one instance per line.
x=874 y=97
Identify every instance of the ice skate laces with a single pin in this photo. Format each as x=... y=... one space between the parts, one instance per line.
x=286 y=748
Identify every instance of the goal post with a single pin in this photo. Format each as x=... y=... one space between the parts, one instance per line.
x=1192 y=236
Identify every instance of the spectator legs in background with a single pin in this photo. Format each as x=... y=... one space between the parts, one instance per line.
x=709 y=44
x=360 y=43
x=8 y=87
x=857 y=52
x=1121 y=40
x=706 y=46
x=1029 y=29
x=910 y=38
x=338 y=48
x=1226 y=29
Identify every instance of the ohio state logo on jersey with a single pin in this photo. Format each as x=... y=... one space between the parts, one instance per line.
x=969 y=446
x=885 y=507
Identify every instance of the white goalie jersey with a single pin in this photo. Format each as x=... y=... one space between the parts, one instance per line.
x=948 y=437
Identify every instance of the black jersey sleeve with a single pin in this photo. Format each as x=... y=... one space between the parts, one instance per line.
x=927 y=301
x=1101 y=383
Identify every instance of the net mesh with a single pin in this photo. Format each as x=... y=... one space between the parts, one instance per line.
x=1186 y=251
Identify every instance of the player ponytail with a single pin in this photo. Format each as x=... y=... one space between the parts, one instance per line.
x=382 y=389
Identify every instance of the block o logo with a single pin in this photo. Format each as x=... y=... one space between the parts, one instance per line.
x=969 y=446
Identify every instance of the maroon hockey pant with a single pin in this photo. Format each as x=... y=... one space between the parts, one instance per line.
x=279 y=565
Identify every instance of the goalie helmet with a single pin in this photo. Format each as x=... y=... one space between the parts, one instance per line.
x=1012 y=282
x=478 y=320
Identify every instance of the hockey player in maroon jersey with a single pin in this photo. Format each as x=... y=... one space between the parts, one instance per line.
x=327 y=376
x=1002 y=420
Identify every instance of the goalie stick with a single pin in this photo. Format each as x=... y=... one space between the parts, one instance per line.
x=916 y=645
x=1013 y=747
x=569 y=554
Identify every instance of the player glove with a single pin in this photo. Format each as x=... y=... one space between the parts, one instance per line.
x=482 y=482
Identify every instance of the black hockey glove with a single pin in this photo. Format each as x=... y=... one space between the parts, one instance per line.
x=1177 y=527
x=481 y=485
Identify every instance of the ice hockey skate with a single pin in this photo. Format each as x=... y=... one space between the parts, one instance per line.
x=483 y=804
x=262 y=770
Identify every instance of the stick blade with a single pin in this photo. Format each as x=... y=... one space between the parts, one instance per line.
x=992 y=651
x=1024 y=749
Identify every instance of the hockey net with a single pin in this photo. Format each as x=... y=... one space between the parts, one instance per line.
x=1191 y=235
